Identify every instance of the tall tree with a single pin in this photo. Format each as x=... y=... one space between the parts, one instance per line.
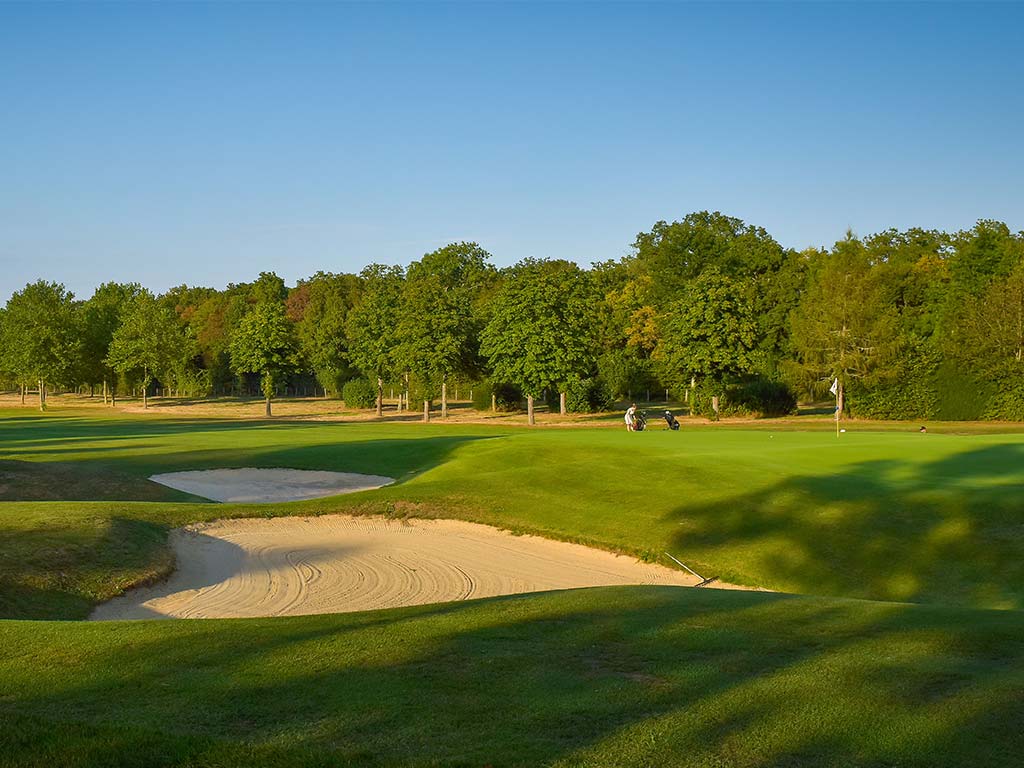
x=543 y=327
x=148 y=342
x=441 y=317
x=100 y=318
x=709 y=333
x=844 y=328
x=41 y=337
x=319 y=307
x=373 y=324
x=264 y=343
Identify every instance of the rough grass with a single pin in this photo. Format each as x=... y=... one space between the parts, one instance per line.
x=605 y=677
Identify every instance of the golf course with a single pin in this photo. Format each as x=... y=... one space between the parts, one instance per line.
x=883 y=625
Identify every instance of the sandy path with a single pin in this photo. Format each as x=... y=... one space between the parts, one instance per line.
x=268 y=485
x=334 y=564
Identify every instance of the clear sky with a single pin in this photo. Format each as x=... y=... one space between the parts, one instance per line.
x=200 y=143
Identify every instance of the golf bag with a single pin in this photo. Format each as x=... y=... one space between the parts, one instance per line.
x=639 y=421
x=672 y=421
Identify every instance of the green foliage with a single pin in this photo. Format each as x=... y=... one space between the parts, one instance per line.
x=709 y=332
x=41 y=339
x=590 y=395
x=99 y=319
x=319 y=307
x=439 y=320
x=844 y=327
x=762 y=397
x=149 y=341
x=539 y=335
x=373 y=322
x=624 y=372
x=508 y=398
x=264 y=343
x=359 y=393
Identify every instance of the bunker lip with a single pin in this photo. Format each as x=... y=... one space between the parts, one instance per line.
x=290 y=566
x=266 y=486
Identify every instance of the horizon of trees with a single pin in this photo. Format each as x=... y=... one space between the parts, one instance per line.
x=907 y=324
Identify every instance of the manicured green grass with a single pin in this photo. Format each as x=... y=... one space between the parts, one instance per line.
x=605 y=677
x=878 y=515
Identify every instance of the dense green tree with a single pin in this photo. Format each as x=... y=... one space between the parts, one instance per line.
x=319 y=307
x=541 y=332
x=149 y=342
x=674 y=254
x=441 y=317
x=264 y=343
x=708 y=333
x=373 y=325
x=100 y=318
x=42 y=340
x=844 y=328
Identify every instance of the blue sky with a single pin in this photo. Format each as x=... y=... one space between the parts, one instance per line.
x=204 y=143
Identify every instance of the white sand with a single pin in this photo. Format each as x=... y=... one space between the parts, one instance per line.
x=268 y=485
x=332 y=564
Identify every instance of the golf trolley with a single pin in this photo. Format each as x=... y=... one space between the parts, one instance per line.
x=640 y=421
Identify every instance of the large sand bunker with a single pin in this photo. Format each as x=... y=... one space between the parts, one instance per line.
x=333 y=564
x=268 y=485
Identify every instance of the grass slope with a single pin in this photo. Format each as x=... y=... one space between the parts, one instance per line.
x=625 y=676
x=878 y=515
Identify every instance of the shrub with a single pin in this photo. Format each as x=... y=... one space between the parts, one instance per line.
x=359 y=393
x=508 y=398
x=588 y=396
x=762 y=396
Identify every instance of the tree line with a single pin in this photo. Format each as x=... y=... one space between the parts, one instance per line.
x=901 y=324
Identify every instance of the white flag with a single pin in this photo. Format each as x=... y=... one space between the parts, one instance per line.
x=834 y=389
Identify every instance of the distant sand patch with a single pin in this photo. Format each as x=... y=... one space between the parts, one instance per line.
x=337 y=563
x=262 y=486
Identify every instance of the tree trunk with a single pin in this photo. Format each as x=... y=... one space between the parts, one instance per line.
x=426 y=410
x=714 y=405
x=840 y=401
x=529 y=410
x=113 y=395
x=104 y=391
x=494 y=403
x=23 y=389
x=268 y=406
x=42 y=396
x=380 y=396
x=561 y=403
x=444 y=399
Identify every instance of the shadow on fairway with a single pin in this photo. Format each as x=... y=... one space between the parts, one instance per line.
x=626 y=676
x=57 y=570
x=948 y=531
x=122 y=473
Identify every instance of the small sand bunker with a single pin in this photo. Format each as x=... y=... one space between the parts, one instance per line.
x=334 y=564
x=263 y=486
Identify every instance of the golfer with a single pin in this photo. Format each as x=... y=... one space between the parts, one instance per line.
x=631 y=417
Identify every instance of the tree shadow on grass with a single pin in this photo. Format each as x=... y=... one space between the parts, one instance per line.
x=122 y=474
x=620 y=676
x=58 y=569
x=949 y=531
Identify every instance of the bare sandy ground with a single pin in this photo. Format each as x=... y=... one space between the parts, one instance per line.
x=333 y=564
x=268 y=485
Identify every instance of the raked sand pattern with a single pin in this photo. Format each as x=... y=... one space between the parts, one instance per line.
x=331 y=564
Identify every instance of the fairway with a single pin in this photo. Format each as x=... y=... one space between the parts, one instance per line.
x=568 y=678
